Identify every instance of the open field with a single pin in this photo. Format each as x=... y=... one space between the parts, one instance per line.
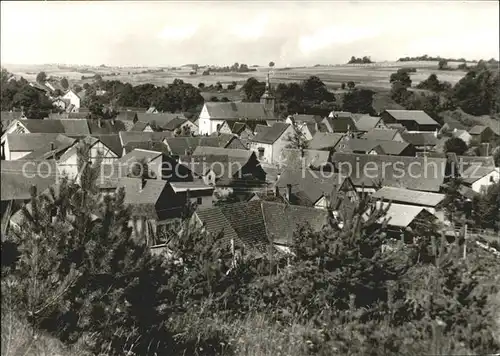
x=374 y=76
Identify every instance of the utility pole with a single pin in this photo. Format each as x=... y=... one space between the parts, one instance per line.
x=465 y=241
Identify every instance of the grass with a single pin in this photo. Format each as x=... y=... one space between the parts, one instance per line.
x=374 y=76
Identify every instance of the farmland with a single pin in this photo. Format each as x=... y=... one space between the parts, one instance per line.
x=373 y=76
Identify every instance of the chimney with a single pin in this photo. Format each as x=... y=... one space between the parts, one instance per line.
x=52 y=146
x=143 y=183
x=99 y=122
x=276 y=191
x=436 y=133
x=288 y=191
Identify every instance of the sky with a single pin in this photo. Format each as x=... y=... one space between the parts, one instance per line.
x=252 y=32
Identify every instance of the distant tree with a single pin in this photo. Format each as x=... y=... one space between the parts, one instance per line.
x=201 y=85
x=41 y=77
x=64 y=83
x=443 y=64
x=253 y=90
x=402 y=77
x=224 y=99
x=57 y=93
x=271 y=64
x=342 y=86
x=5 y=76
x=359 y=101
x=487 y=210
x=206 y=72
x=218 y=86
x=232 y=85
x=86 y=86
x=298 y=138
x=97 y=77
x=351 y=84
x=455 y=145
x=77 y=88
x=214 y=99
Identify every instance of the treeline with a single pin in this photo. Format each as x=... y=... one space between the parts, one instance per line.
x=310 y=96
x=20 y=95
x=236 y=67
x=345 y=290
x=477 y=93
x=425 y=57
x=175 y=97
x=364 y=60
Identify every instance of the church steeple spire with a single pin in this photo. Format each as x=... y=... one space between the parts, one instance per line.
x=267 y=98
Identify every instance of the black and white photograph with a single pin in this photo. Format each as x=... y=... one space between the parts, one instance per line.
x=250 y=178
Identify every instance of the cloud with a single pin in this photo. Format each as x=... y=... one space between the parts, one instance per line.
x=251 y=30
x=177 y=33
x=334 y=35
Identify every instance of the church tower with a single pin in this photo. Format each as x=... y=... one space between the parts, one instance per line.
x=267 y=98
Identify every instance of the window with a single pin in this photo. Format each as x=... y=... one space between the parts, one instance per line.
x=199 y=200
x=261 y=152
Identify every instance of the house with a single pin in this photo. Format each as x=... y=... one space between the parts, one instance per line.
x=340 y=124
x=146 y=145
x=404 y=221
x=179 y=146
x=465 y=162
x=159 y=121
x=306 y=158
x=18 y=146
x=479 y=178
x=326 y=141
x=140 y=126
x=105 y=127
x=150 y=201
x=104 y=148
x=370 y=172
x=270 y=141
x=18 y=179
x=256 y=225
x=9 y=116
x=366 y=146
x=229 y=168
x=75 y=99
x=366 y=123
x=127 y=137
x=245 y=131
x=430 y=201
x=422 y=141
x=68 y=127
x=196 y=192
x=127 y=116
x=413 y=120
x=303 y=119
x=481 y=133
x=61 y=104
x=179 y=123
x=315 y=189
x=463 y=135
x=383 y=135
x=214 y=114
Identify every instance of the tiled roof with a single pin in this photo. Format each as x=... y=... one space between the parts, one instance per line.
x=381 y=134
x=138 y=154
x=311 y=185
x=420 y=138
x=238 y=111
x=179 y=145
x=192 y=186
x=365 y=146
x=220 y=151
x=309 y=119
x=325 y=140
x=406 y=196
x=215 y=222
x=75 y=127
x=417 y=173
x=174 y=123
x=367 y=122
x=105 y=127
x=142 y=199
x=312 y=158
x=282 y=220
x=401 y=215
x=270 y=134
x=61 y=144
x=341 y=124
x=477 y=130
x=127 y=137
x=159 y=119
x=139 y=126
x=35 y=141
x=112 y=141
x=153 y=146
x=467 y=161
x=419 y=116
x=126 y=115
x=16 y=185
x=476 y=172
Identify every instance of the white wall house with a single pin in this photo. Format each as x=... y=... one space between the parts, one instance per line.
x=206 y=125
x=73 y=98
x=268 y=147
x=481 y=184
